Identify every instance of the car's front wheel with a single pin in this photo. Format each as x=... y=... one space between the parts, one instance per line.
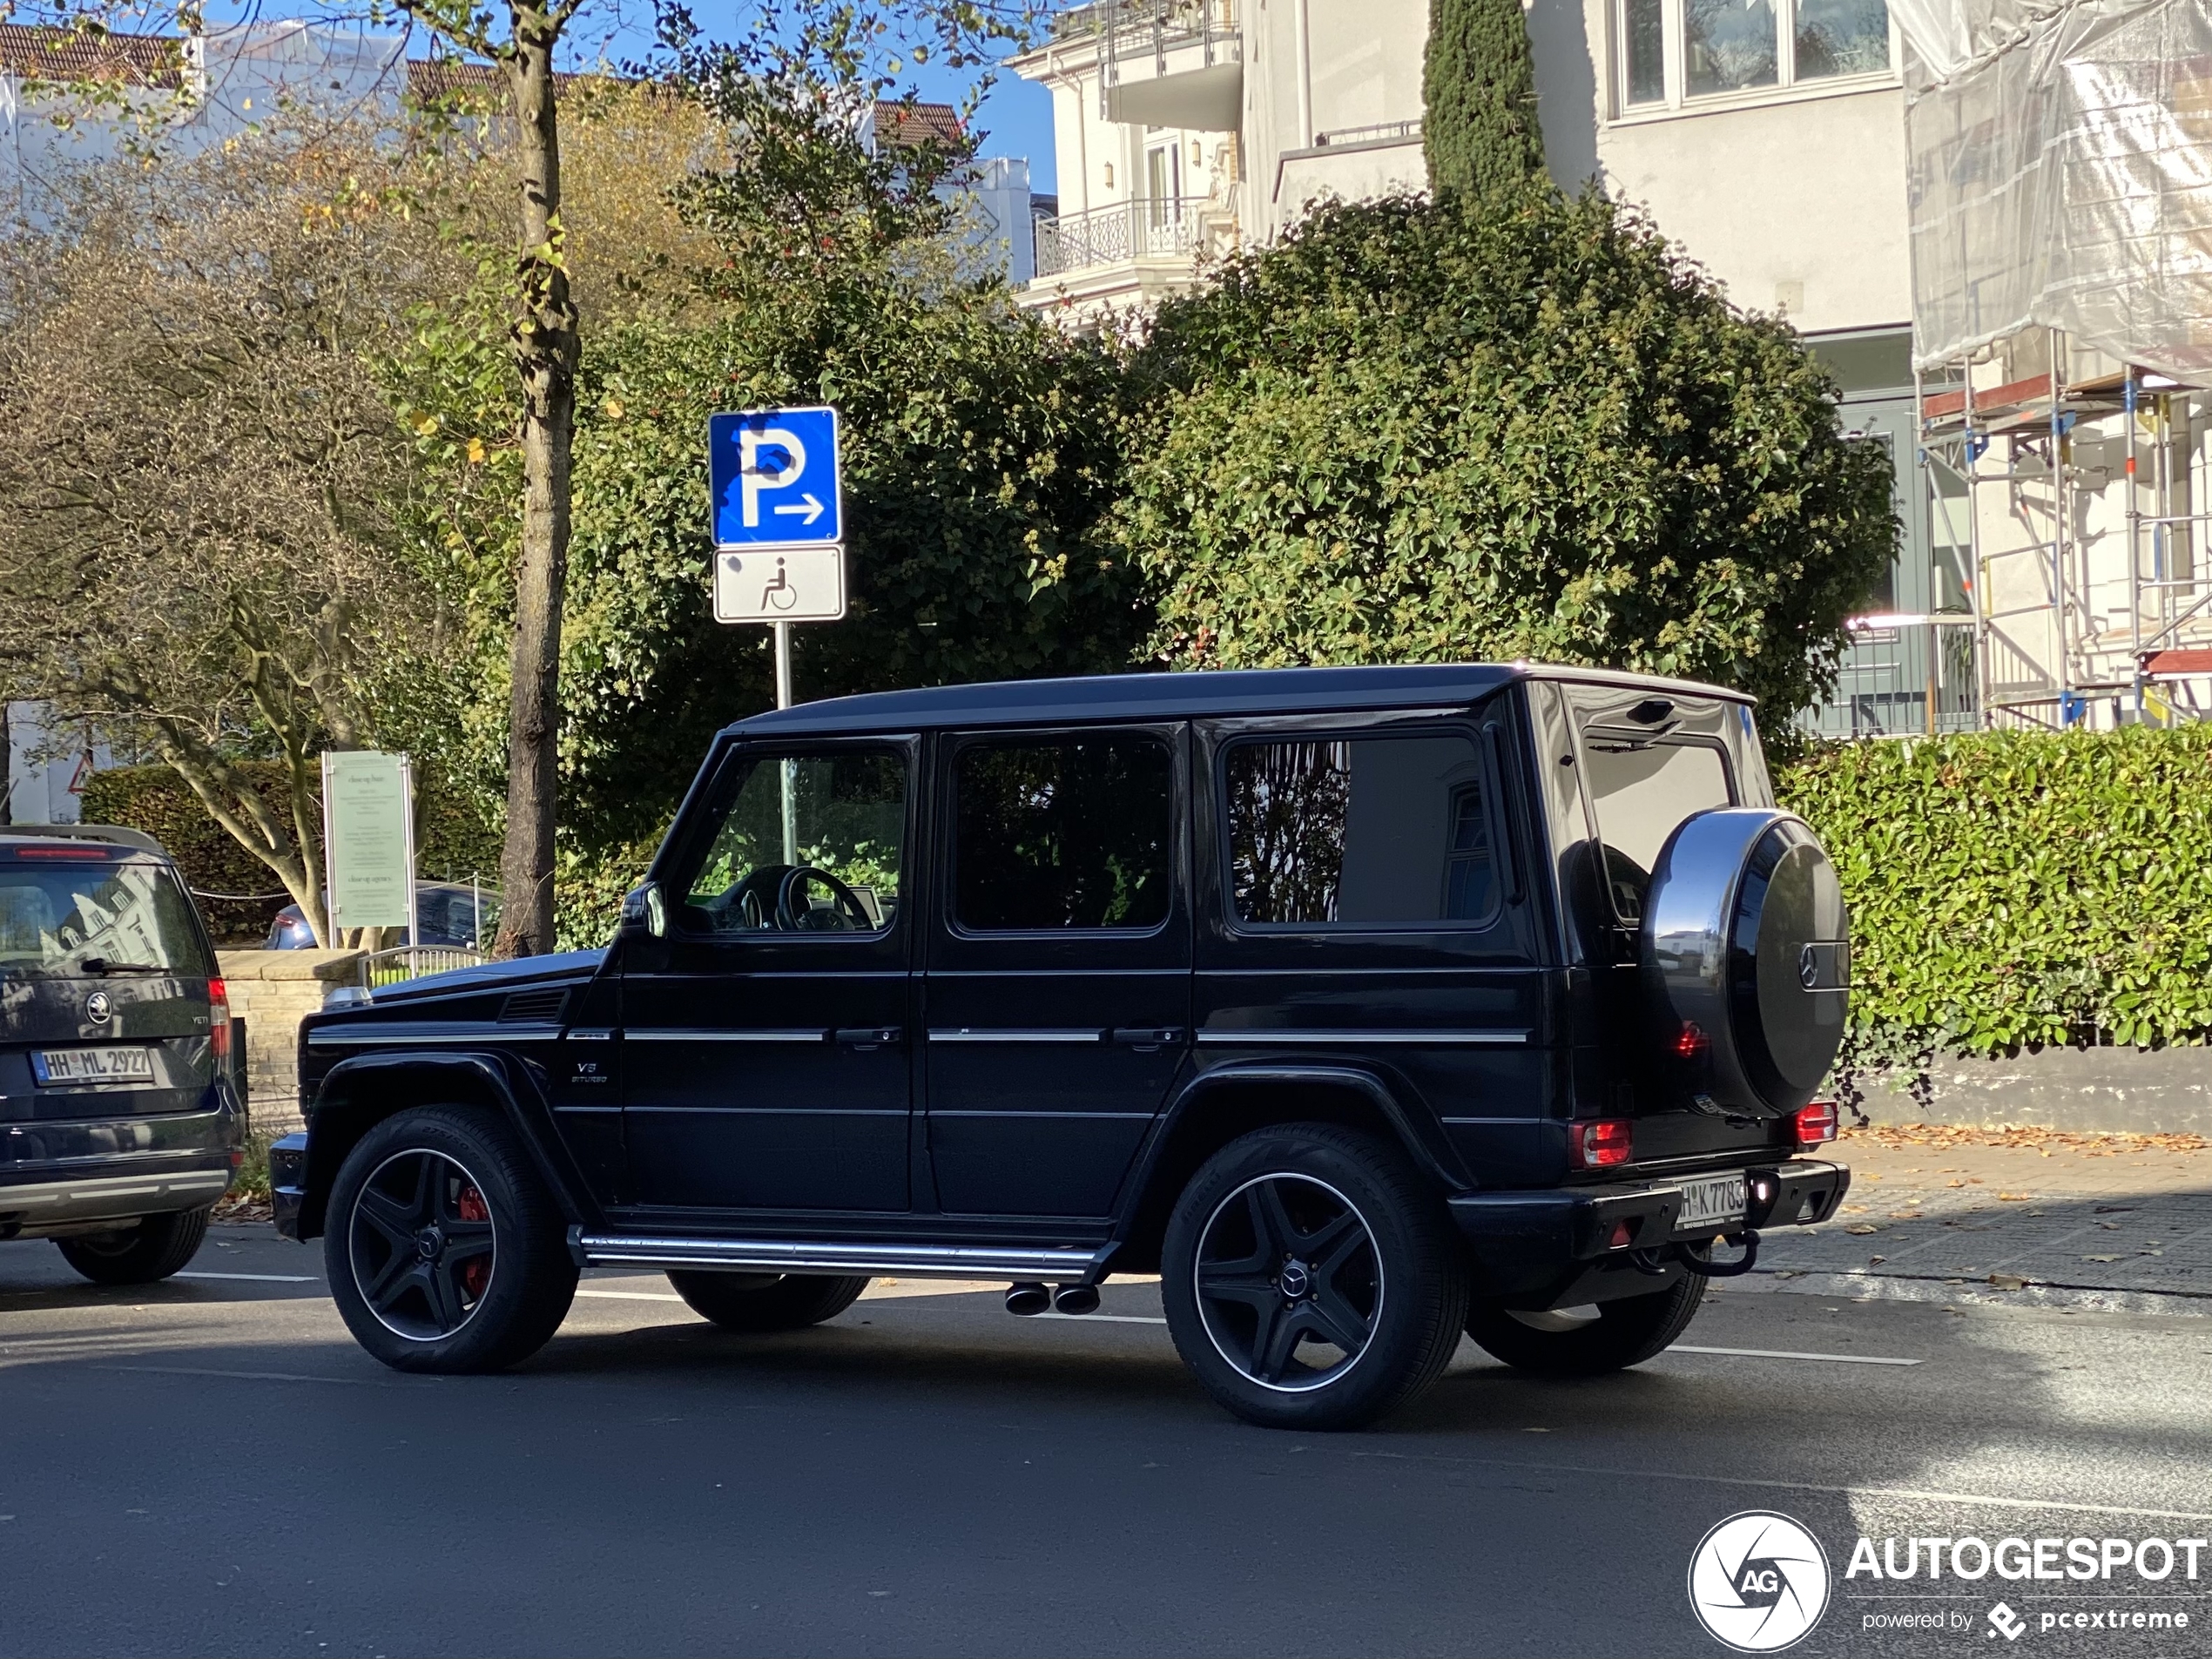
x=1587 y=1342
x=758 y=1302
x=140 y=1251
x=1310 y=1278
x=444 y=1248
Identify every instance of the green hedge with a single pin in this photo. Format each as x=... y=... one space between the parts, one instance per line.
x=451 y=839
x=2010 y=889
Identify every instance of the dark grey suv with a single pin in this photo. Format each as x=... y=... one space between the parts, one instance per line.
x=1368 y=1007
x=120 y=1117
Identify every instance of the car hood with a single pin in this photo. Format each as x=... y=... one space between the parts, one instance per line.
x=563 y=967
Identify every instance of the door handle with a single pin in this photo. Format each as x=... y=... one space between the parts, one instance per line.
x=871 y=1036
x=1148 y=1037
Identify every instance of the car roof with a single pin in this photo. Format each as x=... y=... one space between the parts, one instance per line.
x=1179 y=695
x=17 y=835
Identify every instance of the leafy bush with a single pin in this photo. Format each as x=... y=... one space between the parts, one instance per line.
x=1498 y=427
x=2019 y=888
x=451 y=840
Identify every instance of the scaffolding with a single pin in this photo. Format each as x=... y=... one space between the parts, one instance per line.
x=2060 y=194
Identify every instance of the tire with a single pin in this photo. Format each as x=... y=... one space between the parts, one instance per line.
x=1625 y=1332
x=760 y=1302
x=141 y=1253
x=1302 y=1232
x=444 y=1248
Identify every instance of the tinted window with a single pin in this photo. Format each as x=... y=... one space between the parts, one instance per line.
x=1642 y=789
x=57 y=917
x=802 y=843
x=1364 y=832
x=1077 y=833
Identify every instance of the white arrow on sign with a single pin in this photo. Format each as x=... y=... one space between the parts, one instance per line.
x=808 y=505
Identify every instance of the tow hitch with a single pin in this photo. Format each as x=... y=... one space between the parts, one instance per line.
x=1698 y=1259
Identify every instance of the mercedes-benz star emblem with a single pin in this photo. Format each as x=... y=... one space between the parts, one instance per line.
x=97 y=1007
x=1758 y=1581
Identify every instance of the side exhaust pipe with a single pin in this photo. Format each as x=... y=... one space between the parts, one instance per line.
x=1028 y=1298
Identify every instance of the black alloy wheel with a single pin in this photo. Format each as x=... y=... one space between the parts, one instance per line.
x=422 y=1249
x=445 y=1251
x=1288 y=1282
x=1312 y=1278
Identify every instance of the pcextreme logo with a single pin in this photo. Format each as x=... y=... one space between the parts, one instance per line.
x=1758 y=1581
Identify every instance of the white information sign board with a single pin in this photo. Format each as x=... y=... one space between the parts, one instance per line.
x=779 y=585
x=368 y=839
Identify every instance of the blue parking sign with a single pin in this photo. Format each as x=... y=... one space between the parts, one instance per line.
x=775 y=478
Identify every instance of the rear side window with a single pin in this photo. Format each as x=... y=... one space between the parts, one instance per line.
x=1071 y=832
x=88 y=914
x=1360 y=833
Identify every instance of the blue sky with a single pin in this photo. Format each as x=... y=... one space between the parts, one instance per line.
x=1017 y=115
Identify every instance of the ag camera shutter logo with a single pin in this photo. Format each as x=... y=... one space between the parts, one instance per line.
x=1758 y=1581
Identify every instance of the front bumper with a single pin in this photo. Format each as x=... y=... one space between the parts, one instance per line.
x=1555 y=1248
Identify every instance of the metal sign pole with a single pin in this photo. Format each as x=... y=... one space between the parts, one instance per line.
x=782 y=630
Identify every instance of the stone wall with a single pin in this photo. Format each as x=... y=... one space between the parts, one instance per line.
x=2131 y=1091
x=273 y=991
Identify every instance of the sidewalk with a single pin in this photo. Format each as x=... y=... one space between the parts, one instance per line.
x=2115 y=1222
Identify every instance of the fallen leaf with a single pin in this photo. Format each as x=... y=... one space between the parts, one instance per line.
x=2015 y=1197
x=2101 y=1258
x=1861 y=1229
x=1854 y=1209
x=1876 y=1261
x=2007 y=1281
x=1905 y=1215
x=1955 y=1183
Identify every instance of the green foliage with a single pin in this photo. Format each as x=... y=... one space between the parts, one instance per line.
x=2017 y=888
x=1479 y=98
x=1497 y=428
x=452 y=837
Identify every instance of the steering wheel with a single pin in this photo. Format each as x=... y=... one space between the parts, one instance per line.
x=790 y=920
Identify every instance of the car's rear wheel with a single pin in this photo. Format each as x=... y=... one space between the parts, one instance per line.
x=1587 y=1342
x=758 y=1302
x=444 y=1248
x=139 y=1253
x=1310 y=1278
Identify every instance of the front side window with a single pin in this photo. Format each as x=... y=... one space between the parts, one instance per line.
x=805 y=844
x=91 y=913
x=1359 y=833
x=1067 y=833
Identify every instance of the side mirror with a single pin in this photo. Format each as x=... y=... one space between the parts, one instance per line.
x=644 y=911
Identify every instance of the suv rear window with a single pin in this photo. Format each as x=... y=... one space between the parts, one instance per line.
x=1643 y=788
x=1360 y=833
x=1072 y=832
x=86 y=913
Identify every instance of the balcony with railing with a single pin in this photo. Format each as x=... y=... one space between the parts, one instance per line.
x=1168 y=229
x=1164 y=63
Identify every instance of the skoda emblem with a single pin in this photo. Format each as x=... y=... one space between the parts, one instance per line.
x=97 y=1008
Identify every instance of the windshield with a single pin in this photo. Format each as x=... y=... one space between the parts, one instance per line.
x=93 y=915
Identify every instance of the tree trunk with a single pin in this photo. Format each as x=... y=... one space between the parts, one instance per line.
x=544 y=343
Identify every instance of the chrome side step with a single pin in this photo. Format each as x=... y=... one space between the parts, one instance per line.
x=874 y=1256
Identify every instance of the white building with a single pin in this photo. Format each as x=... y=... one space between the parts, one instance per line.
x=1769 y=138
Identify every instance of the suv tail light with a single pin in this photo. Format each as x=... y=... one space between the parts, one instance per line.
x=1816 y=1123
x=1600 y=1142
x=218 y=1021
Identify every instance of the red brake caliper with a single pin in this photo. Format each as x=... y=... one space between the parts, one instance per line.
x=476 y=1272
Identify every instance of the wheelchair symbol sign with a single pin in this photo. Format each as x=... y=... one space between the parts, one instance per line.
x=774 y=478
x=779 y=585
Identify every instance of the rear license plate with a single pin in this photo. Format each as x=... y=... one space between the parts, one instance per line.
x=1710 y=1204
x=92 y=1065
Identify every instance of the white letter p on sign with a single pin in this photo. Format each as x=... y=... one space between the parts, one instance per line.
x=793 y=461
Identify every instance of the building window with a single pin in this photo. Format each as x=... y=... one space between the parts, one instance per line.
x=1676 y=51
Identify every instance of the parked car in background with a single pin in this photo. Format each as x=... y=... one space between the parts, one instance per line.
x=121 y=1119
x=446 y=913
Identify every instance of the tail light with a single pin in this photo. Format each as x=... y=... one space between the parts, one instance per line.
x=1600 y=1142
x=1816 y=1123
x=218 y=1021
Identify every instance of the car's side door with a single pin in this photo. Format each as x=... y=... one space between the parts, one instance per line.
x=764 y=1049
x=1057 y=987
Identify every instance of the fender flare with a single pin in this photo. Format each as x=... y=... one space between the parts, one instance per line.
x=1413 y=1126
x=347 y=1102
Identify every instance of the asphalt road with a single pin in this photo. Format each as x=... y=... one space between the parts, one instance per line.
x=210 y=1466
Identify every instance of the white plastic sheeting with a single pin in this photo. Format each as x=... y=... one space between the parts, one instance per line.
x=2061 y=175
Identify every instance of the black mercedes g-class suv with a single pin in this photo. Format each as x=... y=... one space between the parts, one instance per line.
x=121 y=1118
x=1365 y=1006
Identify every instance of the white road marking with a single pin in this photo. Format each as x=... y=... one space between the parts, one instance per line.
x=1102 y=1318
x=631 y=1295
x=259 y=1278
x=1913 y=1492
x=1778 y=1354
x=256 y=1376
